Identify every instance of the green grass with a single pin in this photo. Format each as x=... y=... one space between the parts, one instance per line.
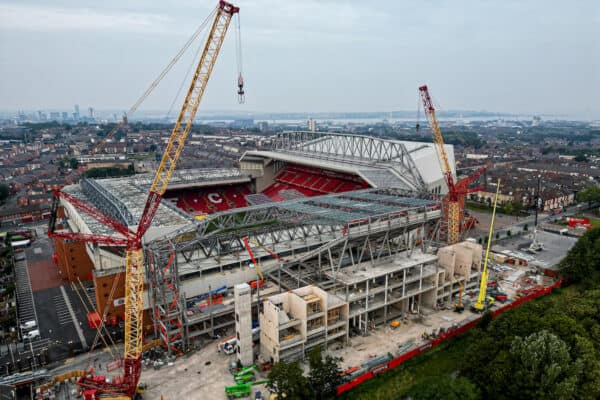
x=443 y=360
x=595 y=222
x=446 y=359
x=476 y=206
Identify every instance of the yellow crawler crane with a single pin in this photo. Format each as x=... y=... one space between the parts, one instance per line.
x=482 y=301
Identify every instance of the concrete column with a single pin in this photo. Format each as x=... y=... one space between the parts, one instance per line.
x=404 y=283
x=385 y=300
x=367 y=308
x=243 y=323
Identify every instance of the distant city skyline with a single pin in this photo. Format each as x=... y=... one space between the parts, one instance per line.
x=525 y=58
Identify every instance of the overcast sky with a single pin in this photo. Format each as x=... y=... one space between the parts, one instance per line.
x=515 y=56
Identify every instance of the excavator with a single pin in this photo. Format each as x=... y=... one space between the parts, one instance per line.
x=459 y=306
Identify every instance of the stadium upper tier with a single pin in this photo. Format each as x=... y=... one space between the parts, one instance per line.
x=380 y=163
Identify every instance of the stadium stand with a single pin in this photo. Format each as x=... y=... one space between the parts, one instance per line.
x=212 y=199
x=311 y=182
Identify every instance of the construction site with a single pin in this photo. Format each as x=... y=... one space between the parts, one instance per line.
x=354 y=244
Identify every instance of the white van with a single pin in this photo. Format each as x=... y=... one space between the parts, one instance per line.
x=29 y=325
x=34 y=334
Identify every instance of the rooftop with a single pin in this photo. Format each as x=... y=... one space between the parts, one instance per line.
x=351 y=276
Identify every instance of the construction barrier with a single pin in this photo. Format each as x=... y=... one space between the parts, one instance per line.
x=449 y=334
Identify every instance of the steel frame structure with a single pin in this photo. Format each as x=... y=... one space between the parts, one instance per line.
x=287 y=233
x=355 y=149
x=106 y=202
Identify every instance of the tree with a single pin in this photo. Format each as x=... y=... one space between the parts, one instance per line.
x=445 y=388
x=73 y=163
x=324 y=374
x=517 y=208
x=542 y=368
x=580 y=158
x=485 y=320
x=508 y=208
x=590 y=194
x=287 y=381
x=4 y=192
x=582 y=262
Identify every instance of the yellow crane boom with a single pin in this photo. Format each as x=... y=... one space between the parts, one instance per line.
x=480 y=304
x=134 y=276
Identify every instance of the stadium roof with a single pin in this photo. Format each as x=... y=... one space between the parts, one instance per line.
x=381 y=162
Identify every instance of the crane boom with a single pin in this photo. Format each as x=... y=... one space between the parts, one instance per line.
x=438 y=140
x=452 y=211
x=134 y=276
x=187 y=114
x=256 y=264
x=481 y=299
x=131 y=237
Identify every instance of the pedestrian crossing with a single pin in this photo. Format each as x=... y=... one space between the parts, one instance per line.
x=62 y=311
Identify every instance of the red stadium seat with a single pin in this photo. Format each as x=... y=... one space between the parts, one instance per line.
x=212 y=199
x=312 y=182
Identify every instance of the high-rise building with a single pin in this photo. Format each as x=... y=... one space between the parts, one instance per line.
x=312 y=125
x=76 y=113
x=65 y=115
x=91 y=111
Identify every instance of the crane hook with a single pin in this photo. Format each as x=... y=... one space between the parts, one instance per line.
x=241 y=93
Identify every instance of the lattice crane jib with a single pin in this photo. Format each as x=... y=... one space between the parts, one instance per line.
x=132 y=239
x=134 y=256
x=452 y=210
x=438 y=140
x=187 y=114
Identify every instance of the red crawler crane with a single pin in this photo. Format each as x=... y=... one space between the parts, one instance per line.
x=453 y=205
x=131 y=239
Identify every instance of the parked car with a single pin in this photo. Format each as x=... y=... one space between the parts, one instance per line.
x=34 y=334
x=28 y=324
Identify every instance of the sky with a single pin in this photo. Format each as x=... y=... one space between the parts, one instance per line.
x=515 y=56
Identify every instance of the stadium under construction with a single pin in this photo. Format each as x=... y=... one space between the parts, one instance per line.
x=350 y=215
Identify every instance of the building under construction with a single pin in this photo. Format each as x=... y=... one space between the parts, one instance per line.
x=350 y=216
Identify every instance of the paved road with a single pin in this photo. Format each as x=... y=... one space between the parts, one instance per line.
x=59 y=311
x=506 y=223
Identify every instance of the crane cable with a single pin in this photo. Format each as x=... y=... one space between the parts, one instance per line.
x=238 y=53
x=156 y=81
x=173 y=61
x=185 y=79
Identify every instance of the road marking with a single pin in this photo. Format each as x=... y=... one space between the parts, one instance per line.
x=73 y=318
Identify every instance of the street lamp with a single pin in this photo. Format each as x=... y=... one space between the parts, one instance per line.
x=537 y=200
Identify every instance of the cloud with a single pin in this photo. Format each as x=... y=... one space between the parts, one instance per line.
x=55 y=19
